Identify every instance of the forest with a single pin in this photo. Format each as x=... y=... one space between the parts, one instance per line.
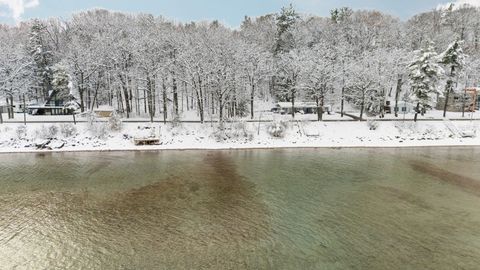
x=148 y=66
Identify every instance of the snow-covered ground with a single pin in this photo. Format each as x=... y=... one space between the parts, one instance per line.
x=187 y=116
x=238 y=135
x=430 y=115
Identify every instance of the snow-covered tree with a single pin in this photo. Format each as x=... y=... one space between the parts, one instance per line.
x=289 y=70
x=42 y=57
x=454 y=60
x=424 y=74
x=362 y=88
x=285 y=21
x=61 y=82
x=318 y=76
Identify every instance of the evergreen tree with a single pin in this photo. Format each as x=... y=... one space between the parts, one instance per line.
x=424 y=73
x=285 y=21
x=42 y=59
x=454 y=59
x=60 y=82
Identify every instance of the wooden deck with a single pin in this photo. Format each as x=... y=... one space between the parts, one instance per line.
x=146 y=141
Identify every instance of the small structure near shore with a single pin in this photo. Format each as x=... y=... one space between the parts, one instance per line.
x=467 y=100
x=146 y=141
x=104 y=111
x=146 y=136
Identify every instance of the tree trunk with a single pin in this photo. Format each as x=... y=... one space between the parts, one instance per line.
x=252 y=97
x=150 y=99
x=397 y=96
x=362 y=107
x=145 y=101
x=200 y=100
x=24 y=111
x=322 y=104
x=293 y=104
x=319 y=114
x=447 y=97
x=417 y=110
x=164 y=96
x=175 y=96
x=82 y=102
x=10 y=108
x=220 y=109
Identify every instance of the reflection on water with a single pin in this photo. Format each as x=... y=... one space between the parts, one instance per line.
x=278 y=209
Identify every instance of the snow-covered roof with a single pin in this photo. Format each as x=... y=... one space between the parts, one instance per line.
x=297 y=104
x=104 y=108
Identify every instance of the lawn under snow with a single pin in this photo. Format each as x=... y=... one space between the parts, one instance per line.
x=62 y=137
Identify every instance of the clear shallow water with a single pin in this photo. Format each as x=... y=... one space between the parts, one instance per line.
x=258 y=209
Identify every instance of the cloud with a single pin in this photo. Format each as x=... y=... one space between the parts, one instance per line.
x=16 y=8
x=459 y=3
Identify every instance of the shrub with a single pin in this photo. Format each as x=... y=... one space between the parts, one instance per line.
x=277 y=129
x=373 y=125
x=68 y=130
x=220 y=133
x=176 y=121
x=99 y=130
x=21 y=132
x=115 y=122
x=240 y=130
x=47 y=132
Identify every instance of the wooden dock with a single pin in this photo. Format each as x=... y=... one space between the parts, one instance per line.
x=146 y=141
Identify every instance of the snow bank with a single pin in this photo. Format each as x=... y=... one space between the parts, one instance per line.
x=15 y=138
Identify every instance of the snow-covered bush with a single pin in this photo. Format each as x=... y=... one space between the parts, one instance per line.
x=220 y=134
x=115 y=122
x=97 y=128
x=373 y=125
x=277 y=129
x=91 y=118
x=176 y=121
x=240 y=130
x=237 y=130
x=68 y=130
x=46 y=132
x=21 y=132
x=406 y=128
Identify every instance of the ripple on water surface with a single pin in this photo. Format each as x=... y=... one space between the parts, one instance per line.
x=279 y=209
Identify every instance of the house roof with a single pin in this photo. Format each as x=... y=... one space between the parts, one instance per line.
x=297 y=104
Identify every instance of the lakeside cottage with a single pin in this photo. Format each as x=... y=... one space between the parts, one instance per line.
x=402 y=107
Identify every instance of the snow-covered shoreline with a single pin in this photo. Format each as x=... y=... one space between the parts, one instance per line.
x=205 y=137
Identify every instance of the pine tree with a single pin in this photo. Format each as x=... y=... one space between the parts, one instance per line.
x=454 y=59
x=285 y=21
x=42 y=58
x=424 y=73
x=60 y=82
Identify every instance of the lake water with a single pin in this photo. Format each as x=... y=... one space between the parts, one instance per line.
x=252 y=209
